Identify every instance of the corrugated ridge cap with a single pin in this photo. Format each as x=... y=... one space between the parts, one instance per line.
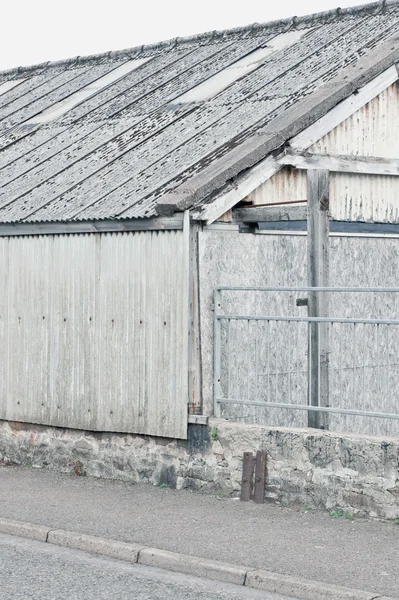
x=314 y=18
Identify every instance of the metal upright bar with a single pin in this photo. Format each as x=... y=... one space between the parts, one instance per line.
x=289 y=361
x=309 y=365
x=216 y=353
x=318 y=365
x=275 y=352
x=354 y=361
x=388 y=388
x=378 y=352
x=268 y=361
x=364 y=363
x=248 y=361
x=228 y=359
x=297 y=358
x=256 y=359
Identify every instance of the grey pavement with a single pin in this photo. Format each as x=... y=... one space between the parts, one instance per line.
x=32 y=570
x=360 y=554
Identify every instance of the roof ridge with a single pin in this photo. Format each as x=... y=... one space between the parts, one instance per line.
x=133 y=52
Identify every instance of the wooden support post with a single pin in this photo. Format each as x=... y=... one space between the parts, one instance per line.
x=317 y=254
x=194 y=347
x=260 y=477
x=246 y=486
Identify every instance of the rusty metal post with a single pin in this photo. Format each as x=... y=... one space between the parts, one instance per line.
x=246 y=477
x=260 y=477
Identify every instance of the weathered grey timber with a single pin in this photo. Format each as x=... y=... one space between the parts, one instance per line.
x=112 y=136
x=317 y=251
x=342 y=164
x=270 y=213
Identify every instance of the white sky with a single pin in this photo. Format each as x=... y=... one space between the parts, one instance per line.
x=39 y=30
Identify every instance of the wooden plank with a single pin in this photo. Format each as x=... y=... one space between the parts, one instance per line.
x=258 y=175
x=269 y=166
x=246 y=477
x=317 y=251
x=194 y=348
x=270 y=213
x=260 y=477
x=366 y=165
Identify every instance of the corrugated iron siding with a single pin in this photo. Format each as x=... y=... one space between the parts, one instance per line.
x=371 y=131
x=93 y=332
x=367 y=198
x=287 y=185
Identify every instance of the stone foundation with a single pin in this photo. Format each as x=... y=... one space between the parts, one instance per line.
x=357 y=474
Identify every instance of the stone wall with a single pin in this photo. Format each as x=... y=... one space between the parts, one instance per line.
x=357 y=474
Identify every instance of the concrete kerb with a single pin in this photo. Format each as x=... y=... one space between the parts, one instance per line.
x=296 y=587
x=95 y=545
x=26 y=530
x=303 y=588
x=193 y=565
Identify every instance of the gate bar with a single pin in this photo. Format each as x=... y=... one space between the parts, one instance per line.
x=304 y=289
x=328 y=409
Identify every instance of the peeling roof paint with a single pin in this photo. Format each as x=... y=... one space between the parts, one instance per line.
x=110 y=136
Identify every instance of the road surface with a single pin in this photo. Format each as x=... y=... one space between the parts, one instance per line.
x=32 y=570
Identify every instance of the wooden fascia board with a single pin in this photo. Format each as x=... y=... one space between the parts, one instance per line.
x=269 y=166
x=365 y=165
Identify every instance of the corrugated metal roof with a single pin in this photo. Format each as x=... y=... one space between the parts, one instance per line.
x=110 y=136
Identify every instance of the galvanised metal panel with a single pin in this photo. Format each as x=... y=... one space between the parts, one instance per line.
x=94 y=331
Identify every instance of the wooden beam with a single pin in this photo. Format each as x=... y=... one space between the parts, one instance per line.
x=270 y=213
x=241 y=189
x=317 y=255
x=247 y=471
x=260 y=477
x=194 y=348
x=365 y=165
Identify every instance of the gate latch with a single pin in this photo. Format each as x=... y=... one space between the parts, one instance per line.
x=301 y=301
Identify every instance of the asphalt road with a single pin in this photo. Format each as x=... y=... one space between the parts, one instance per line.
x=31 y=570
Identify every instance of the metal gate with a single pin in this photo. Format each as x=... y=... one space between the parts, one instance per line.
x=318 y=357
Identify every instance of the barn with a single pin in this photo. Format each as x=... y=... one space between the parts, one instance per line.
x=171 y=217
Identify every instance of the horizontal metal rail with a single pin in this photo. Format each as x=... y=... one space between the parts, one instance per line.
x=345 y=411
x=308 y=319
x=306 y=289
